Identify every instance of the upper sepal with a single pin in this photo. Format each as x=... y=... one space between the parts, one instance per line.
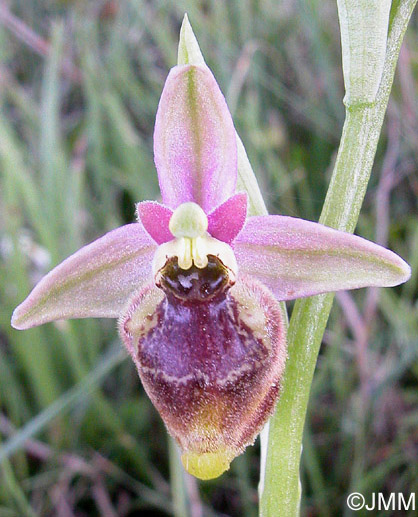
x=298 y=258
x=96 y=281
x=195 y=149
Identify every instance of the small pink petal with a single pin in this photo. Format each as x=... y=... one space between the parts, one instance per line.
x=195 y=149
x=298 y=258
x=97 y=281
x=228 y=219
x=155 y=218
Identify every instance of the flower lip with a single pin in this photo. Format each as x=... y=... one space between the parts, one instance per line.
x=212 y=369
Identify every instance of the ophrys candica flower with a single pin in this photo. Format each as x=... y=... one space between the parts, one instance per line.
x=196 y=284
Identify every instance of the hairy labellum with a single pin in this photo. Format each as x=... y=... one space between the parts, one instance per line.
x=210 y=356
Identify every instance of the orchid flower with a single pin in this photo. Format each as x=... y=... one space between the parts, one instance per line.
x=196 y=283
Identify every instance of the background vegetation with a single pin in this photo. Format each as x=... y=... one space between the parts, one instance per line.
x=79 y=87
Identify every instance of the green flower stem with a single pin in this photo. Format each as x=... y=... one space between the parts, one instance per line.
x=281 y=493
x=177 y=481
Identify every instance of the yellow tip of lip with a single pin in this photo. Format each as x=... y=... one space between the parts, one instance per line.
x=208 y=465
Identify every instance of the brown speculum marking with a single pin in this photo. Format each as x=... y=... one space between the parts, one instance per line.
x=194 y=284
x=199 y=331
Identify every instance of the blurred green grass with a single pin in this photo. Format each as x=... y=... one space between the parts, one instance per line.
x=77 y=108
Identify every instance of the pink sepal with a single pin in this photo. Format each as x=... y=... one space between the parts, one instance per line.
x=195 y=148
x=298 y=258
x=96 y=281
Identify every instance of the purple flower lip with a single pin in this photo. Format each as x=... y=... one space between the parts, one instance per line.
x=196 y=282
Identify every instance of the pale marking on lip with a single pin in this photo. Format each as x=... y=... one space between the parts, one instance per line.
x=251 y=314
x=198 y=375
x=177 y=380
x=143 y=316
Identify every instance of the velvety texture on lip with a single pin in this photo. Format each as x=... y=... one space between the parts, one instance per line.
x=211 y=368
